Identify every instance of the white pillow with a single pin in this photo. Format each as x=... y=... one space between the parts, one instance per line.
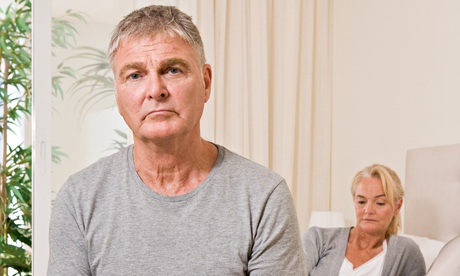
x=430 y=248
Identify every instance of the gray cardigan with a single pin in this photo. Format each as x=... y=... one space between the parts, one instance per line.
x=325 y=249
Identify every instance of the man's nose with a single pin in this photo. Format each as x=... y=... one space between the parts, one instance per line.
x=156 y=88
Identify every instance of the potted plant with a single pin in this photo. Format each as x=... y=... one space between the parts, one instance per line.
x=15 y=105
x=15 y=162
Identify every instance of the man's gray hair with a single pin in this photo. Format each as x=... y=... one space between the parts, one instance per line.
x=157 y=20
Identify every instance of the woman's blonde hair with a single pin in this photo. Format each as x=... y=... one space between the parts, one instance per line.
x=392 y=189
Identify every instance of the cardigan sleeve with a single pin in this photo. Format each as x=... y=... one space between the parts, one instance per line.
x=324 y=249
x=404 y=258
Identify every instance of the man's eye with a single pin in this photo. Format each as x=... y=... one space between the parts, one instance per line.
x=134 y=76
x=361 y=202
x=173 y=70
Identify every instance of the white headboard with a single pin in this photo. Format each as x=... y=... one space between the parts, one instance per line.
x=432 y=185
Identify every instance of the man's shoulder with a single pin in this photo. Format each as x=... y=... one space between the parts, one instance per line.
x=244 y=174
x=101 y=171
x=108 y=163
x=243 y=164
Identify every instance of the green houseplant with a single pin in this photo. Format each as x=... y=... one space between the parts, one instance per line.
x=15 y=163
x=15 y=105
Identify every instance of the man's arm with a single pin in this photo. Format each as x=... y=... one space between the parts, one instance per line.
x=68 y=254
x=277 y=247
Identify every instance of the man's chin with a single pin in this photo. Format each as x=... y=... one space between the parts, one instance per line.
x=160 y=136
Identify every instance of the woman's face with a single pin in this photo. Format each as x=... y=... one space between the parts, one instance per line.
x=373 y=212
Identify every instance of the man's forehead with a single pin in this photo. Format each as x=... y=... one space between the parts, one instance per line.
x=155 y=50
x=166 y=45
x=151 y=39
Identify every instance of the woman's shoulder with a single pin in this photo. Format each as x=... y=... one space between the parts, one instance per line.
x=404 y=242
x=321 y=242
x=405 y=254
x=405 y=246
x=326 y=234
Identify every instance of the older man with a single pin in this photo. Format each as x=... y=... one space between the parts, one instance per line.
x=173 y=203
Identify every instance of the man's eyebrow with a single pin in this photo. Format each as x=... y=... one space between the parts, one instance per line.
x=130 y=66
x=175 y=61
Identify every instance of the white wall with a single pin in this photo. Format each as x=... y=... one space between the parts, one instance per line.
x=84 y=139
x=396 y=71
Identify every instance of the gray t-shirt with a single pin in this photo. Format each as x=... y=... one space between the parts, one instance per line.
x=240 y=221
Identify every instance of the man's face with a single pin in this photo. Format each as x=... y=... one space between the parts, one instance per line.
x=161 y=87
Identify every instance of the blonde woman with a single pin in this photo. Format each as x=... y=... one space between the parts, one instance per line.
x=372 y=246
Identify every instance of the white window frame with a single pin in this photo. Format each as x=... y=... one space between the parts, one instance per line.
x=41 y=129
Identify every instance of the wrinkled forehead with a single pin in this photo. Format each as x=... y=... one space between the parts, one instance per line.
x=157 y=38
x=125 y=39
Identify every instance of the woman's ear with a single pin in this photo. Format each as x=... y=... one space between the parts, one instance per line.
x=398 y=206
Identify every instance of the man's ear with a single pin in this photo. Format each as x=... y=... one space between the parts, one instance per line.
x=207 y=81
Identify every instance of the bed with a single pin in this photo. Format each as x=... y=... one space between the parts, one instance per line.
x=432 y=201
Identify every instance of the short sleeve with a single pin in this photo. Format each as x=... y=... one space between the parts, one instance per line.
x=68 y=254
x=277 y=246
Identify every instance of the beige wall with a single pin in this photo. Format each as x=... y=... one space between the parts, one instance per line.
x=396 y=71
x=395 y=67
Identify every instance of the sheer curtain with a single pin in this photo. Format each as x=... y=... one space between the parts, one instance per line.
x=271 y=97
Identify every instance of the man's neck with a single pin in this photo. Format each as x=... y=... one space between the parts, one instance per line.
x=174 y=170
